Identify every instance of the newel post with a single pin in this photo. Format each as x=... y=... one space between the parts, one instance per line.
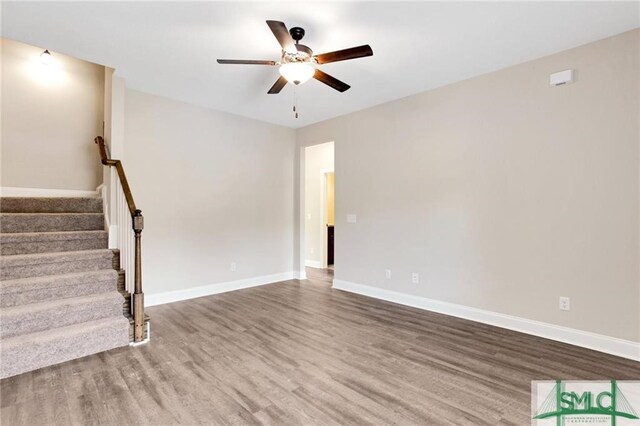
x=138 y=296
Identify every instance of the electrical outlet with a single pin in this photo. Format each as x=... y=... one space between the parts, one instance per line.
x=565 y=303
x=415 y=278
x=387 y=274
x=233 y=266
x=312 y=250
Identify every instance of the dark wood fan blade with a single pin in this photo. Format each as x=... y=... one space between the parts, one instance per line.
x=279 y=29
x=330 y=81
x=343 y=55
x=278 y=85
x=246 y=62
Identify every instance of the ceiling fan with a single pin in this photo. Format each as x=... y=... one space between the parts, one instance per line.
x=298 y=60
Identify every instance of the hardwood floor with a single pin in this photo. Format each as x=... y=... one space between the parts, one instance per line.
x=302 y=353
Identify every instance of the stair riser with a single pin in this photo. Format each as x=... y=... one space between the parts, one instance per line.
x=50 y=205
x=121 y=281
x=42 y=352
x=11 y=248
x=51 y=223
x=116 y=259
x=11 y=223
x=33 y=322
x=52 y=293
x=126 y=307
x=57 y=268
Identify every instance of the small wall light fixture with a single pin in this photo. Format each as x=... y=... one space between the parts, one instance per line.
x=45 y=57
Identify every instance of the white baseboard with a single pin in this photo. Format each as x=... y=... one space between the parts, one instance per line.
x=313 y=263
x=10 y=191
x=598 y=342
x=208 y=290
x=300 y=275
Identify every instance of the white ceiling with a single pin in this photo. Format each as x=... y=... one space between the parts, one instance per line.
x=170 y=48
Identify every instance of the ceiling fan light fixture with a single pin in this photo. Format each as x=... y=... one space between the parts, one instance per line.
x=298 y=61
x=297 y=72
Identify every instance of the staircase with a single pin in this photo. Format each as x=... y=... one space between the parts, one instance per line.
x=59 y=297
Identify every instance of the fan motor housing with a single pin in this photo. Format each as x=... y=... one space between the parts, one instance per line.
x=303 y=54
x=304 y=50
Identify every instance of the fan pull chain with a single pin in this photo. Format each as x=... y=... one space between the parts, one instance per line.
x=295 y=102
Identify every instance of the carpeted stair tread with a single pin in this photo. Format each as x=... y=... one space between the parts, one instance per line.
x=35 y=317
x=43 y=242
x=59 y=297
x=39 y=264
x=51 y=205
x=50 y=222
x=28 y=352
x=24 y=291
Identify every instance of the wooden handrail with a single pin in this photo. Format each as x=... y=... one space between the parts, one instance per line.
x=137 y=221
x=104 y=157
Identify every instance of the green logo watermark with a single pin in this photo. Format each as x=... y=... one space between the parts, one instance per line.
x=585 y=402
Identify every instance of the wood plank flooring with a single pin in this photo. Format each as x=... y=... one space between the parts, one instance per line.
x=301 y=353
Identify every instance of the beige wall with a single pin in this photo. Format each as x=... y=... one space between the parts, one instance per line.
x=50 y=115
x=502 y=193
x=214 y=188
x=318 y=161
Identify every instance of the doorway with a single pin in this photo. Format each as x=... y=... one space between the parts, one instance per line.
x=319 y=206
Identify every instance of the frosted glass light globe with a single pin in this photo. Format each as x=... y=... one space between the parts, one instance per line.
x=297 y=72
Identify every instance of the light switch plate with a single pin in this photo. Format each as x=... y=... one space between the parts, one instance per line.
x=352 y=218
